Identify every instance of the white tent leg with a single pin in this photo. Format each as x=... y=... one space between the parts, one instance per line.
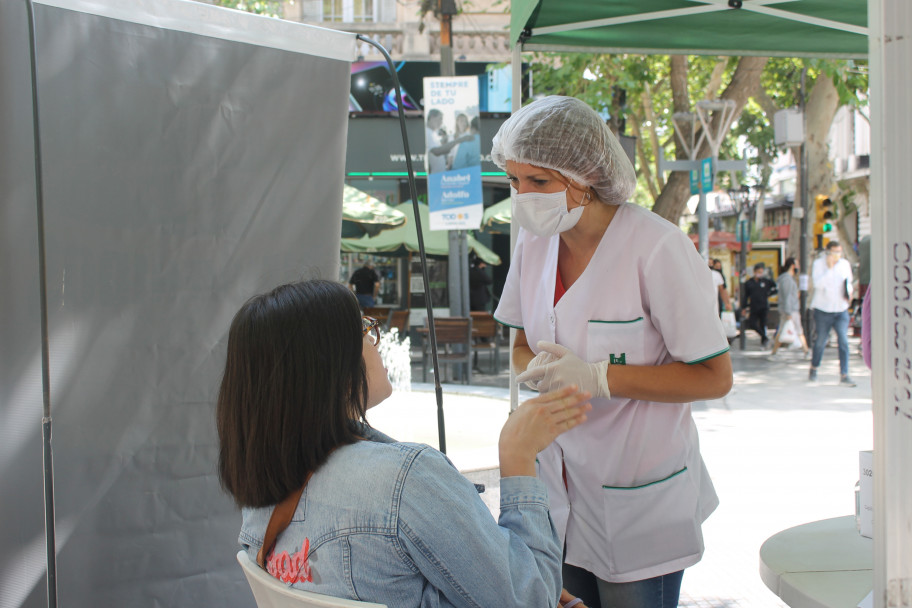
x=890 y=24
x=516 y=104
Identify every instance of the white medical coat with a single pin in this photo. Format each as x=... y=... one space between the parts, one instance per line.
x=637 y=490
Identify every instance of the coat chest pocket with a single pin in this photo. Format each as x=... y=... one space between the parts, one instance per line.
x=620 y=342
x=652 y=524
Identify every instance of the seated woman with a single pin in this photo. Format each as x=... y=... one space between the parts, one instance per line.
x=373 y=519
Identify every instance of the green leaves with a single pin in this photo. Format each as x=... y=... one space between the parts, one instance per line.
x=648 y=99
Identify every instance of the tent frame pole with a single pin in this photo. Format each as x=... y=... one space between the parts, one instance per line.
x=46 y=420
x=413 y=190
x=516 y=104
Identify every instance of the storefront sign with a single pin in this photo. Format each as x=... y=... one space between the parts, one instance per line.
x=453 y=153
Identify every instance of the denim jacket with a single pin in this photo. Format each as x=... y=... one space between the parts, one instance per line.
x=396 y=523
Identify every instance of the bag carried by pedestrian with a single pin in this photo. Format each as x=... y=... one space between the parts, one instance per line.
x=729 y=324
x=788 y=334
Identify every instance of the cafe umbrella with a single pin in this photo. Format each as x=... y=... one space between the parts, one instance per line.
x=362 y=214
x=402 y=241
x=497 y=217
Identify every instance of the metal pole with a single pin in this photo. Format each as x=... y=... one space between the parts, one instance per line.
x=457 y=273
x=703 y=225
x=458 y=257
x=742 y=258
x=802 y=239
x=516 y=104
x=46 y=419
x=432 y=335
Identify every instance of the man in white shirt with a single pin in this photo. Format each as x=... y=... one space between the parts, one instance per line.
x=832 y=276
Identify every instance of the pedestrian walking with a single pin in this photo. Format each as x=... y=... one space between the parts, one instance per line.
x=723 y=301
x=789 y=309
x=479 y=286
x=832 y=276
x=757 y=291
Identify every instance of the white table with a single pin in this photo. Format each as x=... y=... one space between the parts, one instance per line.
x=822 y=564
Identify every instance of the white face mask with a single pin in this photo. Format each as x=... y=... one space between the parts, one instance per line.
x=544 y=214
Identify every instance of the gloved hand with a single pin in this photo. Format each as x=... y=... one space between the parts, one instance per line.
x=537 y=362
x=564 y=368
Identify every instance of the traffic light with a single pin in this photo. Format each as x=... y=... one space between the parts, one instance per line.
x=823 y=217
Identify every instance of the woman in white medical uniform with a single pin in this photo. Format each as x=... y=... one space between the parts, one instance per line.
x=611 y=297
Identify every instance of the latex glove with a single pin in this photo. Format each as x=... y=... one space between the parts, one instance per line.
x=566 y=369
x=537 y=362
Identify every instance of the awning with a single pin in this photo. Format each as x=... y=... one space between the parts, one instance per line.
x=719 y=239
x=768 y=28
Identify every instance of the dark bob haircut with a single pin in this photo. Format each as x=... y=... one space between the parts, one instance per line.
x=294 y=382
x=789 y=262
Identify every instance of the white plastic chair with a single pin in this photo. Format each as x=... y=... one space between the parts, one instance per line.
x=270 y=592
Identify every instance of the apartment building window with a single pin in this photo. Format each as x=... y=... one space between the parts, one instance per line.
x=348 y=11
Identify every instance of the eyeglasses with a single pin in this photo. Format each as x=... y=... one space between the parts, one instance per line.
x=371 y=327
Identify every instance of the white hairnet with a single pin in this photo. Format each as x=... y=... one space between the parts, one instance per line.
x=565 y=134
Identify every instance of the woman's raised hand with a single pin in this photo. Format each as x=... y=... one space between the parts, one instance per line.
x=535 y=424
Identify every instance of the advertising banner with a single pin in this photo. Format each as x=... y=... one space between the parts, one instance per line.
x=453 y=153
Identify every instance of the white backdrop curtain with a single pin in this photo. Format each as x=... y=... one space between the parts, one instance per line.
x=192 y=157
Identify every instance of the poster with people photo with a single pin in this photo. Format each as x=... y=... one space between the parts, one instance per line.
x=453 y=153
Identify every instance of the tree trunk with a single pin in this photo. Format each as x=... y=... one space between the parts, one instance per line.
x=715 y=79
x=844 y=206
x=849 y=194
x=759 y=215
x=845 y=239
x=645 y=168
x=820 y=110
x=649 y=115
x=792 y=245
x=673 y=199
x=765 y=102
x=680 y=96
x=821 y=107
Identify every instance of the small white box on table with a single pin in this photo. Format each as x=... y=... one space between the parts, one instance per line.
x=865 y=507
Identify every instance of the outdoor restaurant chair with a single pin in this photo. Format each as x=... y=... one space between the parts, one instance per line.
x=485 y=338
x=454 y=345
x=399 y=319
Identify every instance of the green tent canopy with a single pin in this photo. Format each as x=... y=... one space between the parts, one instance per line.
x=363 y=214
x=399 y=242
x=783 y=28
x=800 y=28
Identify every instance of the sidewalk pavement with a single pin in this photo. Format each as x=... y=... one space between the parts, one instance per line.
x=782 y=451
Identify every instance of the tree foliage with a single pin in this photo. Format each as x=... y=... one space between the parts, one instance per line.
x=638 y=96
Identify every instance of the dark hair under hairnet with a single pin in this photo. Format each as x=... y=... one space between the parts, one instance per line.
x=566 y=135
